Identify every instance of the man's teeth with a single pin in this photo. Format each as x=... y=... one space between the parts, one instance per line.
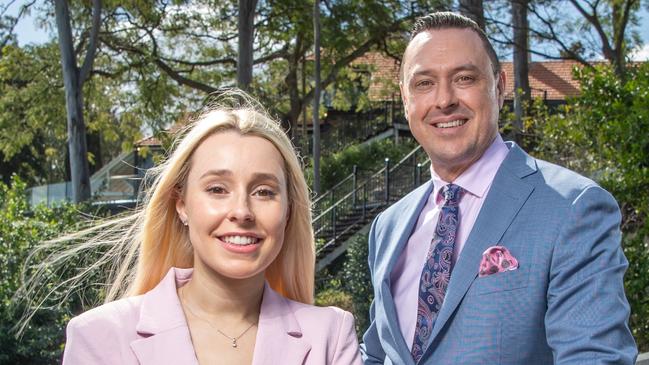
x=453 y=123
x=240 y=240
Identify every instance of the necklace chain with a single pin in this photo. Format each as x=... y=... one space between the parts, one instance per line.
x=233 y=339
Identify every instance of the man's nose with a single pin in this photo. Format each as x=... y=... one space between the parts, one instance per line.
x=445 y=96
x=240 y=210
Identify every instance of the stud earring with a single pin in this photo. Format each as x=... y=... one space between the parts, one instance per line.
x=185 y=223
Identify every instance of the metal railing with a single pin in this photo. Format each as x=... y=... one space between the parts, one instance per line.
x=351 y=204
x=352 y=127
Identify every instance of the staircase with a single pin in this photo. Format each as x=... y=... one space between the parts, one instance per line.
x=352 y=204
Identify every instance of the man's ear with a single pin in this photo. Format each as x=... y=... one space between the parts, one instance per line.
x=403 y=99
x=500 y=86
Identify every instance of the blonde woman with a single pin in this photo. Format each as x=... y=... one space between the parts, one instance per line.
x=220 y=260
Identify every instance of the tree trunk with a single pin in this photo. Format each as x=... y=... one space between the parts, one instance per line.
x=291 y=81
x=79 y=170
x=522 y=92
x=246 y=38
x=304 y=105
x=474 y=10
x=316 y=99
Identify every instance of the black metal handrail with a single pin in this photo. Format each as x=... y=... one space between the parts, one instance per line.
x=344 y=216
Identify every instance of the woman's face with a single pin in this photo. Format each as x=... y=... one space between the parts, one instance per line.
x=235 y=202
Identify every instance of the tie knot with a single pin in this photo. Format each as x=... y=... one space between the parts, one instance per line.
x=452 y=194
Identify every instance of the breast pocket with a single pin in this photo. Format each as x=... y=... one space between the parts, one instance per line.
x=500 y=282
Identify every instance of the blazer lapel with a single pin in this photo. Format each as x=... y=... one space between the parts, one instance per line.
x=506 y=196
x=392 y=241
x=165 y=337
x=279 y=336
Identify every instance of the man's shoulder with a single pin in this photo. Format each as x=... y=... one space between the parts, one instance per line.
x=414 y=197
x=567 y=183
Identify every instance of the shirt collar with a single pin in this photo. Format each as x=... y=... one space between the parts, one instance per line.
x=478 y=177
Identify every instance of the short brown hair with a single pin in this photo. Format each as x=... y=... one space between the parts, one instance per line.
x=447 y=19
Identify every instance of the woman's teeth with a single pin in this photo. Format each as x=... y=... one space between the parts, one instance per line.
x=240 y=240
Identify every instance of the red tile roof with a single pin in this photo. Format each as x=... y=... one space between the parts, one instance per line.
x=550 y=79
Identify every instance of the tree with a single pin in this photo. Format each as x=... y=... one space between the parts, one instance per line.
x=316 y=99
x=191 y=46
x=8 y=23
x=74 y=78
x=597 y=28
x=522 y=92
x=473 y=9
x=246 y=38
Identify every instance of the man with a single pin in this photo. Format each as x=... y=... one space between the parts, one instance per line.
x=500 y=258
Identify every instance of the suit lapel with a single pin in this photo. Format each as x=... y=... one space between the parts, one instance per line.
x=392 y=241
x=506 y=196
x=165 y=337
x=279 y=336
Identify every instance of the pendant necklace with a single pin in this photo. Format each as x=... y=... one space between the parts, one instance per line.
x=232 y=339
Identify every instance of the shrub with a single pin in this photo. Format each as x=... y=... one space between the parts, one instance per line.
x=20 y=231
x=357 y=280
x=367 y=157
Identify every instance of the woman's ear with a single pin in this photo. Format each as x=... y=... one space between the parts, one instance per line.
x=180 y=205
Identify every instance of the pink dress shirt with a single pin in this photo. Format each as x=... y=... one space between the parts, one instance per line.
x=476 y=180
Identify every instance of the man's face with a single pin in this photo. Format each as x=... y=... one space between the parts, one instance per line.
x=451 y=97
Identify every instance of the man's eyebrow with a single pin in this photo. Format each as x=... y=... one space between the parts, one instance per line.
x=462 y=67
x=466 y=67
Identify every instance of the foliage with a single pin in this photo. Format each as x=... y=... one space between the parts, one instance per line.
x=20 y=231
x=582 y=30
x=334 y=295
x=157 y=60
x=32 y=115
x=604 y=133
x=358 y=282
x=367 y=157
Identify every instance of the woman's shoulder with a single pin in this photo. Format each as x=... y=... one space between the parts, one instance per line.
x=110 y=317
x=321 y=317
x=103 y=334
x=331 y=332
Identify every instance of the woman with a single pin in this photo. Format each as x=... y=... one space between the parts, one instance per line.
x=224 y=256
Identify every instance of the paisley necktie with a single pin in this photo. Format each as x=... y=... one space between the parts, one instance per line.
x=436 y=273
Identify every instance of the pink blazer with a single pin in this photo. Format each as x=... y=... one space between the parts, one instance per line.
x=151 y=329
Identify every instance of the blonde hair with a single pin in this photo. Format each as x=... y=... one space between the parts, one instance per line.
x=141 y=247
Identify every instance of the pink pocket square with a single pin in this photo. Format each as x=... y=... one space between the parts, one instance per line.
x=497 y=259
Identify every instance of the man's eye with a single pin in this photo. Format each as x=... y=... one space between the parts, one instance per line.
x=465 y=79
x=423 y=84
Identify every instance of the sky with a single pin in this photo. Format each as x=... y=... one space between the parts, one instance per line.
x=28 y=31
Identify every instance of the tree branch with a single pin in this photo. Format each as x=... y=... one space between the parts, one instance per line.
x=12 y=26
x=594 y=20
x=92 y=44
x=625 y=21
x=184 y=80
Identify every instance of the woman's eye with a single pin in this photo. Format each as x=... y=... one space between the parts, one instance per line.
x=267 y=193
x=216 y=189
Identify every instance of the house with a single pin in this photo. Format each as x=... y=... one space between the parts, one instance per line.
x=552 y=81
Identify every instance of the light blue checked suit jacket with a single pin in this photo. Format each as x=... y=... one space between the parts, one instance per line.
x=565 y=304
